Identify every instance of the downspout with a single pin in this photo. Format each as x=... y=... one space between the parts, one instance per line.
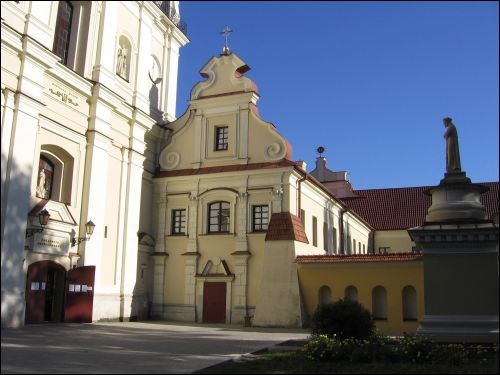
x=341 y=230
x=299 y=205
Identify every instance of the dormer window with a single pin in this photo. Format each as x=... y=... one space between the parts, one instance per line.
x=221 y=138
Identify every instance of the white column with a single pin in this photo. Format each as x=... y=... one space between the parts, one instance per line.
x=94 y=201
x=38 y=24
x=131 y=245
x=173 y=69
x=16 y=191
x=104 y=69
x=142 y=83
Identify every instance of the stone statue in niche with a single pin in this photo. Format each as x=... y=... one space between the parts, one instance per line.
x=452 y=151
x=40 y=189
x=121 y=63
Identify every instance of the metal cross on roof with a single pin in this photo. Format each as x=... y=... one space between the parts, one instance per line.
x=226 y=33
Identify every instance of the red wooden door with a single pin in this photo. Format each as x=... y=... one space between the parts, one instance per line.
x=35 y=292
x=214 y=302
x=79 y=295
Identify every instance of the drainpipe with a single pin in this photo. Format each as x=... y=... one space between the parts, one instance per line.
x=341 y=231
x=299 y=213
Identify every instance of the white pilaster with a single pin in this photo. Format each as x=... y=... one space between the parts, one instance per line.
x=159 y=284
x=193 y=223
x=104 y=69
x=277 y=199
x=131 y=250
x=15 y=207
x=241 y=225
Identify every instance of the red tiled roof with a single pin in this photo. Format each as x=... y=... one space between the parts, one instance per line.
x=285 y=226
x=403 y=208
x=397 y=257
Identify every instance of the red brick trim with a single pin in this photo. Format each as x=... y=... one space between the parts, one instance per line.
x=225 y=168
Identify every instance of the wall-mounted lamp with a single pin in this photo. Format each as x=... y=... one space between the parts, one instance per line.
x=90 y=229
x=43 y=218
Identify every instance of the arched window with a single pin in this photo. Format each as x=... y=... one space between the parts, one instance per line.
x=409 y=295
x=218 y=217
x=379 y=303
x=45 y=178
x=54 y=180
x=351 y=293
x=324 y=295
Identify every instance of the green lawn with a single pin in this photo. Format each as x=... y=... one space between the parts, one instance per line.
x=297 y=363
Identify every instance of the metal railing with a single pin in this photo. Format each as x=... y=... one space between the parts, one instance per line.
x=172 y=15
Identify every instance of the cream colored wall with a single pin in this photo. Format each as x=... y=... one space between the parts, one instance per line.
x=357 y=231
x=317 y=203
x=110 y=249
x=365 y=276
x=251 y=140
x=398 y=240
x=259 y=186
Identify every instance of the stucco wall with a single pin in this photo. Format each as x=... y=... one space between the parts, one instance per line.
x=365 y=276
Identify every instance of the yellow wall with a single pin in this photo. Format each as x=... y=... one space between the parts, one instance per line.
x=399 y=241
x=365 y=276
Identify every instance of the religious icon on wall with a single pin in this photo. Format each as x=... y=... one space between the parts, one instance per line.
x=45 y=175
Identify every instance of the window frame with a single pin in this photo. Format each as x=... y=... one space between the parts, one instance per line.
x=219 y=223
x=254 y=207
x=174 y=227
x=221 y=138
x=58 y=30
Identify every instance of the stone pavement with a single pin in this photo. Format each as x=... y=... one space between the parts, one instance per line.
x=132 y=347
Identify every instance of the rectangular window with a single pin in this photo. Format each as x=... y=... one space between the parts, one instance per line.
x=178 y=222
x=221 y=138
x=315 y=231
x=260 y=218
x=303 y=218
x=218 y=217
x=63 y=30
x=384 y=250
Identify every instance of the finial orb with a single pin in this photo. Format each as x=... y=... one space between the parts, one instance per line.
x=320 y=150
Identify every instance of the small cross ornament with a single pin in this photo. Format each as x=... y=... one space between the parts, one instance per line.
x=226 y=33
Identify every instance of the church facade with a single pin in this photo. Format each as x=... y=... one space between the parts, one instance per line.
x=83 y=84
x=115 y=209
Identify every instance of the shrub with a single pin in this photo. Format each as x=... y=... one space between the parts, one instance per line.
x=343 y=319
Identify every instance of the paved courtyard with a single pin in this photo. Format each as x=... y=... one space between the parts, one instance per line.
x=139 y=347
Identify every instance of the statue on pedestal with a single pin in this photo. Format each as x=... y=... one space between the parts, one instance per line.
x=452 y=151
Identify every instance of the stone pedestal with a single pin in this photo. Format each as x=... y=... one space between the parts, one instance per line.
x=460 y=248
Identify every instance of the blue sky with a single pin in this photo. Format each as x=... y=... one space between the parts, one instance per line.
x=370 y=81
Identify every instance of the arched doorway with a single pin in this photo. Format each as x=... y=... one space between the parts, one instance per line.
x=45 y=292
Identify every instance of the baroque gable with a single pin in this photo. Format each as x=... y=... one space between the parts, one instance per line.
x=222 y=125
